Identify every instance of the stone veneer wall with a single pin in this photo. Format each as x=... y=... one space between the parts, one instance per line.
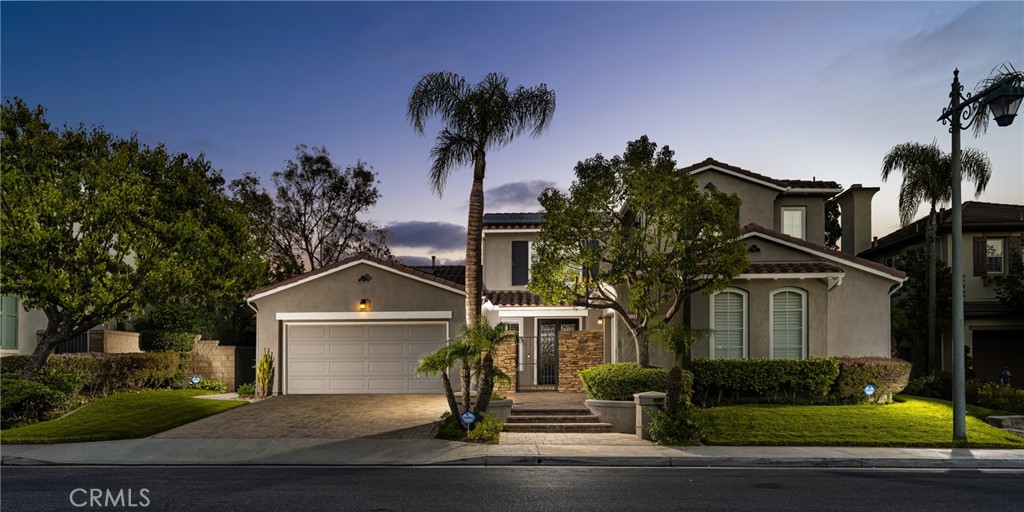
x=576 y=351
x=212 y=361
x=113 y=342
x=505 y=359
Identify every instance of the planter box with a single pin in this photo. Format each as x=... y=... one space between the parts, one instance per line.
x=500 y=408
x=620 y=413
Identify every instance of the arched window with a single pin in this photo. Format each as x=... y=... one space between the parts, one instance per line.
x=789 y=324
x=729 y=324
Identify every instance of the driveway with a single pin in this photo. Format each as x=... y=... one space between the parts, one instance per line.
x=322 y=417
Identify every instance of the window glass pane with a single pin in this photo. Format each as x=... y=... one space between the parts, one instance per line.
x=9 y=322
x=728 y=325
x=994 y=253
x=787 y=325
x=793 y=222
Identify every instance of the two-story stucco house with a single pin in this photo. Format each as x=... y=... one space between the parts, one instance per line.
x=991 y=236
x=361 y=325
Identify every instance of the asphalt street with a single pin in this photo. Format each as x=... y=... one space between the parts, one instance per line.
x=292 y=488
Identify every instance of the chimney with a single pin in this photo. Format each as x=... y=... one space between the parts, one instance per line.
x=433 y=261
x=855 y=217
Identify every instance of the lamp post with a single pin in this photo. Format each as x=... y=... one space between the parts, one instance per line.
x=1002 y=99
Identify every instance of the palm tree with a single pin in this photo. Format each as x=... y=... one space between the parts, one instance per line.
x=927 y=178
x=440 y=362
x=484 y=339
x=679 y=339
x=475 y=119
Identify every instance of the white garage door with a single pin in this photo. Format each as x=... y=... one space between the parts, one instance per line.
x=360 y=358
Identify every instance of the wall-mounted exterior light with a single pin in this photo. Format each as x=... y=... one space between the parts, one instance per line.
x=365 y=304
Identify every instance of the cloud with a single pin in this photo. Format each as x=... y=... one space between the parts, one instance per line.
x=520 y=195
x=430 y=236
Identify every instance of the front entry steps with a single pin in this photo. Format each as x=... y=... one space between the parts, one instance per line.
x=554 y=420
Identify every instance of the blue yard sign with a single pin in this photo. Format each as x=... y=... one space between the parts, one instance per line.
x=468 y=417
x=195 y=379
x=869 y=390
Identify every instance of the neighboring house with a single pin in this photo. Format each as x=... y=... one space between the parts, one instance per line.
x=991 y=235
x=797 y=299
x=18 y=327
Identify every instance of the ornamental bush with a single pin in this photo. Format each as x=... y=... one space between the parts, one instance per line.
x=1001 y=397
x=763 y=380
x=686 y=427
x=620 y=381
x=158 y=340
x=28 y=401
x=889 y=376
x=486 y=429
x=94 y=373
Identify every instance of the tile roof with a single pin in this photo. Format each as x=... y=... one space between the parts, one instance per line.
x=754 y=228
x=528 y=220
x=808 y=267
x=453 y=273
x=977 y=216
x=460 y=286
x=796 y=184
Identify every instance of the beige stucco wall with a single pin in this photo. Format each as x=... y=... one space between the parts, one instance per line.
x=497 y=258
x=977 y=287
x=861 y=319
x=814 y=219
x=29 y=323
x=758 y=201
x=341 y=291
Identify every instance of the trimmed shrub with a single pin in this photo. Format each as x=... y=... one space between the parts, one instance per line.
x=941 y=386
x=158 y=340
x=620 y=381
x=1000 y=397
x=12 y=364
x=94 y=373
x=763 y=380
x=487 y=429
x=684 y=428
x=889 y=376
x=449 y=428
x=27 y=401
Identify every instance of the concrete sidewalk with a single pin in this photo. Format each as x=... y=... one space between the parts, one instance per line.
x=425 y=452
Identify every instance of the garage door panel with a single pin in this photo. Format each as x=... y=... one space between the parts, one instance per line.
x=341 y=358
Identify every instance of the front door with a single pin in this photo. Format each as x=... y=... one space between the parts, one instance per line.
x=547 y=347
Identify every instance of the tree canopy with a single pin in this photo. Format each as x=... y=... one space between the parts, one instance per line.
x=637 y=236
x=96 y=226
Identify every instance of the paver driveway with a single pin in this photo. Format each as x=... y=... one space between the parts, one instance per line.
x=322 y=417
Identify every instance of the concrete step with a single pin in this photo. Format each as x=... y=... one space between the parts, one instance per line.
x=553 y=411
x=593 y=428
x=1007 y=422
x=1015 y=431
x=551 y=418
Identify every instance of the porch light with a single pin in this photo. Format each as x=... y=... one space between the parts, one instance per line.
x=600 y=320
x=1004 y=102
x=364 y=304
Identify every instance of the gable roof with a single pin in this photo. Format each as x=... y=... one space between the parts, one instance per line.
x=752 y=230
x=808 y=186
x=526 y=220
x=976 y=215
x=392 y=266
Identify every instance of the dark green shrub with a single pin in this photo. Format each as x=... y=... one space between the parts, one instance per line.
x=487 y=429
x=763 y=380
x=449 y=428
x=166 y=341
x=211 y=385
x=246 y=390
x=12 y=364
x=686 y=427
x=1000 y=397
x=620 y=381
x=27 y=401
x=889 y=376
x=172 y=317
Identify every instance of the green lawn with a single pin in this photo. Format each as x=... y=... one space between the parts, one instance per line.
x=917 y=422
x=122 y=416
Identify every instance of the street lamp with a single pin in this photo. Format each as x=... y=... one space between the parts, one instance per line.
x=1002 y=99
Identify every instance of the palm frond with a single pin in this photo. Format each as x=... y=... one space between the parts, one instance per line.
x=975 y=167
x=1002 y=74
x=450 y=151
x=437 y=93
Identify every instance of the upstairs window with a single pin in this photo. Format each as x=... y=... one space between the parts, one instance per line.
x=994 y=260
x=992 y=255
x=520 y=263
x=793 y=221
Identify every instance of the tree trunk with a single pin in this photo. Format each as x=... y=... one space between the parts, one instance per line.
x=483 y=395
x=643 y=353
x=466 y=382
x=931 y=241
x=39 y=356
x=474 y=236
x=673 y=390
x=453 y=406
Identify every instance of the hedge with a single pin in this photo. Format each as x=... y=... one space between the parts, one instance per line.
x=156 y=340
x=98 y=373
x=889 y=376
x=28 y=401
x=765 y=380
x=1001 y=397
x=620 y=381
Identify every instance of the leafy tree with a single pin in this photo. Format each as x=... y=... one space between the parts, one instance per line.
x=635 y=221
x=475 y=119
x=833 y=230
x=911 y=318
x=679 y=339
x=927 y=178
x=1011 y=290
x=95 y=226
x=313 y=218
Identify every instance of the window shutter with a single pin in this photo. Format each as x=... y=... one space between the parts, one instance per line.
x=980 y=256
x=520 y=263
x=9 y=322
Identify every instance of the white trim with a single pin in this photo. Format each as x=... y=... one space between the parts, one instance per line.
x=282 y=363
x=803 y=220
x=349 y=265
x=823 y=255
x=801 y=275
x=771 y=320
x=746 y=326
x=370 y=315
x=541 y=312
x=712 y=167
x=510 y=230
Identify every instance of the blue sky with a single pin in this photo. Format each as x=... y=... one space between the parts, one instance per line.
x=790 y=89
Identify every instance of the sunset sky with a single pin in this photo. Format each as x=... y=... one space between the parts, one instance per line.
x=788 y=89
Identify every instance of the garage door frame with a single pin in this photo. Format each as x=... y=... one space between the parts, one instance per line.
x=343 y=318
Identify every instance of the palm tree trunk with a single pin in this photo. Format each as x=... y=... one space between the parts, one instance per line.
x=673 y=390
x=483 y=394
x=931 y=242
x=453 y=405
x=466 y=370
x=474 y=236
